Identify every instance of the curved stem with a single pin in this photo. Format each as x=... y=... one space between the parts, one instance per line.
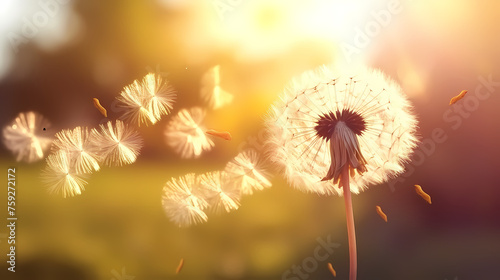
x=353 y=263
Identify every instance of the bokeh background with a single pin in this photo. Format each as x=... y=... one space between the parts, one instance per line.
x=117 y=228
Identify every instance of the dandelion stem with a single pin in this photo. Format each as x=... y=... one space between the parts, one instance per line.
x=351 y=235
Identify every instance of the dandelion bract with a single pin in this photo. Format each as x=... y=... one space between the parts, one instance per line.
x=367 y=111
x=185 y=133
x=26 y=138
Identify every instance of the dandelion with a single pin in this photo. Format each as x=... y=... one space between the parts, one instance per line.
x=186 y=135
x=26 y=136
x=118 y=144
x=61 y=177
x=211 y=91
x=80 y=150
x=183 y=201
x=247 y=171
x=145 y=102
x=335 y=132
x=221 y=193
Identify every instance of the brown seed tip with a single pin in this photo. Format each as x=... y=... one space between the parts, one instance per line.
x=221 y=134
x=99 y=107
x=423 y=194
x=179 y=267
x=458 y=97
x=330 y=267
x=381 y=213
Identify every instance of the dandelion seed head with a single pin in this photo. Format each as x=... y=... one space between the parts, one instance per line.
x=185 y=133
x=248 y=173
x=77 y=144
x=183 y=201
x=117 y=143
x=61 y=177
x=25 y=137
x=331 y=118
x=220 y=191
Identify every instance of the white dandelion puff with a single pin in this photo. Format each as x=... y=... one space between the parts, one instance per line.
x=334 y=132
x=27 y=137
x=186 y=134
x=118 y=144
x=327 y=120
x=247 y=171
x=144 y=102
x=160 y=95
x=132 y=103
x=79 y=148
x=221 y=193
x=60 y=176
x=211 y=91
x=183 y=201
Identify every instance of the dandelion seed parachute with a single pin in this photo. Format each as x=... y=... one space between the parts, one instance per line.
x=118 y=144
x=79 y=148
x=186 y=134
x=211 y=91
x=183 y=201
x=246 y=169
x=220 y=192
x=372 y=119
x=146 y=101
x=60 y=176
x=160 y=95
x=25 y=137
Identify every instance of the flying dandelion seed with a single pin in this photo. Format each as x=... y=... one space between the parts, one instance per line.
x=332 y=271
x=25 y=137
x=179 y=267
x=60 y=176
x=337 y=130
x=99 y=107
x=461 y=95
x=80 y=150
x=381 y=213
x=221 y=134
x=210 y=90
x=118 y=144
x=160 y=95
x=247 y=171
x=132 y=102
x=423 y=194
x=221 y=193
x=186 y=135
x=183 y=201
x=145 y=102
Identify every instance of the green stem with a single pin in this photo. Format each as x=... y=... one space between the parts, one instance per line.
x=353 y=263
